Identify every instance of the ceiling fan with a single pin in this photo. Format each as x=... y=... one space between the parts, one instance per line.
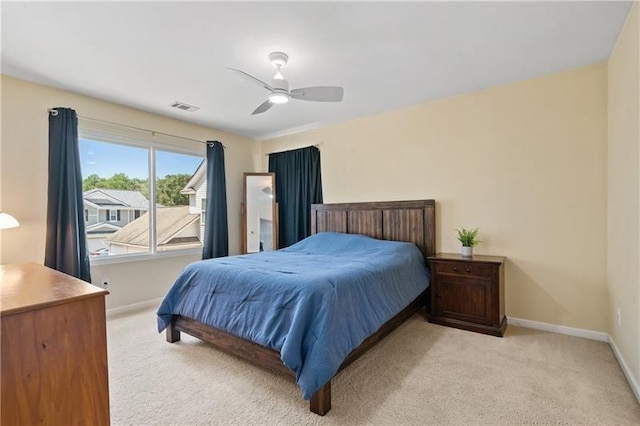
x=279 y=87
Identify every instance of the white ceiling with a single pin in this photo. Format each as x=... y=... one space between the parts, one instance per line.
x=385 y=55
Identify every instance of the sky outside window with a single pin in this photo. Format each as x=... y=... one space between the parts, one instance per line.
x=107 y=159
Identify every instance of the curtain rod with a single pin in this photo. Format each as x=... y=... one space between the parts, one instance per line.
x=278 y=152
x=153 y=132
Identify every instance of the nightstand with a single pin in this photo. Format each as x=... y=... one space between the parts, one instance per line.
x=468 y=292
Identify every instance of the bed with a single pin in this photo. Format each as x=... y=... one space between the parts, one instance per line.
x=313 y=308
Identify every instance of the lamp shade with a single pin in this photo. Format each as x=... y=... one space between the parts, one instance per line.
x=7 y=221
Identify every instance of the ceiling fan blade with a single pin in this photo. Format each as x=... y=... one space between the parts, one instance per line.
x=319 y=93
x=262 y=108
x=252 y=79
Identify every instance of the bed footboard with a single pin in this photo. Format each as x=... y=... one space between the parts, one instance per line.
x=320 y=402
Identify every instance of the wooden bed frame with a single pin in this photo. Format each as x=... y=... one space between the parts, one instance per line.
x=409 y=221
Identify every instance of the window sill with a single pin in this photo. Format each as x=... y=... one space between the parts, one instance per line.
x=143 y=257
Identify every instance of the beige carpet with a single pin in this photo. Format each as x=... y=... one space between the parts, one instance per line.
x=420 y=374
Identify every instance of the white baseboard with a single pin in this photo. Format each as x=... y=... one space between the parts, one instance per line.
x=587 y=334
x=561 y=329
x=133 y=307
x=625 y=369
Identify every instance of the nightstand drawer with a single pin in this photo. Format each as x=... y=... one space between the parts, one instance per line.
x=464 y=268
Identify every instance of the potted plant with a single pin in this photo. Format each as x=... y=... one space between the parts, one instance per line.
x=469 y=239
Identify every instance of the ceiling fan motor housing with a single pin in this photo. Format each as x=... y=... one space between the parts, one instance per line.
x=280 y=85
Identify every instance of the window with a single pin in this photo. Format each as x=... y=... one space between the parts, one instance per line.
x=179 y=185
x=113 y=215
x=144 y=194
x=203 y=211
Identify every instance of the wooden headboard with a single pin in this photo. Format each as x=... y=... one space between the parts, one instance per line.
x=408 y=221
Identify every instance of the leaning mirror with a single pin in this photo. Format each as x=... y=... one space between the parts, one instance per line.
x=259 y=213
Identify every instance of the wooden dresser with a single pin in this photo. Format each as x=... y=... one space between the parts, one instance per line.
x=53 y=369
x=468 y=293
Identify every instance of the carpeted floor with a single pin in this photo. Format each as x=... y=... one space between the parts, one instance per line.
x=420 y=374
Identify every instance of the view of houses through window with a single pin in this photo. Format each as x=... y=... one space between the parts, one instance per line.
x=117 y=198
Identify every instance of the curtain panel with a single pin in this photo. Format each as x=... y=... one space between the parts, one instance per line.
x=298 y=185
x=66 y=240
x=216 y=229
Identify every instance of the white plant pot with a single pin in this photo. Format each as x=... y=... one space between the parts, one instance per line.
x=467 y=251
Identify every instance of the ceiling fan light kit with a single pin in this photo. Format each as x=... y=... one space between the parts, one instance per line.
x=278 y=98
x=279 y=87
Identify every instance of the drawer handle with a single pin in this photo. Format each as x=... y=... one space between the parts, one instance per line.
x=468 y=269
x=455 y=268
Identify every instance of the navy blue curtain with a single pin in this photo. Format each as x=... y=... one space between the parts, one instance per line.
x=298 y=185
x=66 y=242
x=216 y=229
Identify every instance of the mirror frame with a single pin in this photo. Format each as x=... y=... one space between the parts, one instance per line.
x=243 y=211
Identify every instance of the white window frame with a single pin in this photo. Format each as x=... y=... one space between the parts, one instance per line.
x=113 y=215
x=147 y=141
x=203 y=210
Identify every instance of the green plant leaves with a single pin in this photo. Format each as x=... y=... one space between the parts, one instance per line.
x=468 y=237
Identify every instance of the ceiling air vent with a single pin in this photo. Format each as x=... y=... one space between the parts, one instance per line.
x=184 y=107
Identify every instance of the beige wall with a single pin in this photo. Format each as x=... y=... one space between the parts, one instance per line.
x=23 y=181
x=526 y=163
x=623 y=270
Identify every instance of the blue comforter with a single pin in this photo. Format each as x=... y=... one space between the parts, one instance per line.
x=314 y=301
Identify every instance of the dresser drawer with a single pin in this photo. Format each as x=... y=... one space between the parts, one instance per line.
x=464 y=268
